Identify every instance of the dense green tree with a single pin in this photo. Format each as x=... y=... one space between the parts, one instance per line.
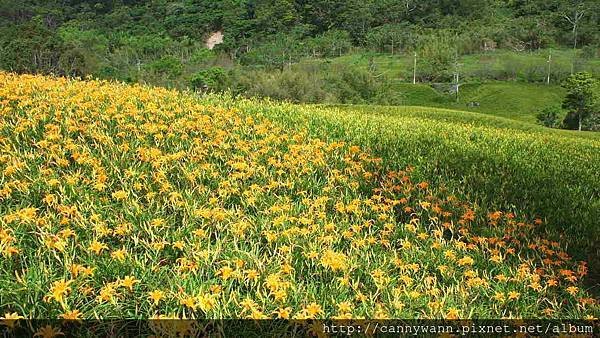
x=581 y=99
x=210 y=79
x=394 y=11
x=437 y=53
x=320 y=14
x=280 y=50
x=356 y=18
x=30 y=47
x=273 y=16
x=167 y=66
x=549 y=116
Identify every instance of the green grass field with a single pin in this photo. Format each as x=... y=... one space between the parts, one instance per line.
x=513 y=100
x=520 y=98
x=526 y=66
x=518 y=101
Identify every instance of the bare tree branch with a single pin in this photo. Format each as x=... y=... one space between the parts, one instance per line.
x=574 y=21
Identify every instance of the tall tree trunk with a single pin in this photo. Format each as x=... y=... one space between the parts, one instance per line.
x=579 y=116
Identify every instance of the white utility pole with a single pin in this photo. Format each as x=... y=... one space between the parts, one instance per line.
x=457 y=85
x=415 y=69
x=457 y=76
x=549 y=60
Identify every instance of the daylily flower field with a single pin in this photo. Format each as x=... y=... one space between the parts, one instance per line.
x=126 y=201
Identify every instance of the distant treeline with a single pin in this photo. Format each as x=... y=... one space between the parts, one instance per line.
x=101 y=37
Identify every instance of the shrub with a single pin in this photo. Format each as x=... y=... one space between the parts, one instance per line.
x=549 y=116
x=290 y=84
x=316 y=84
x=436 y=56
x=590 y=52
x=210 y=79
x=168 y=66
x=201 y=55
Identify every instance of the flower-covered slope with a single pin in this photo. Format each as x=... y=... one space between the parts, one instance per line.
x=137 y=202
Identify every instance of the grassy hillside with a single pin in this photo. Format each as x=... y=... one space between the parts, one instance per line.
x=461 y=117
x=497 y=162
x=513 y=100
x=520 y=95
x=498 y=64
x=137 y=202
x=518 y=101
x=363 y=78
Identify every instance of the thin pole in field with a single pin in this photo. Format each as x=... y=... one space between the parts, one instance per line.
x=457 y=85
x=457 y=66
x=415 y=69
x=549 y=60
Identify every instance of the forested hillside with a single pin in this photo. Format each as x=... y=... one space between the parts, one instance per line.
x=104 y=37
